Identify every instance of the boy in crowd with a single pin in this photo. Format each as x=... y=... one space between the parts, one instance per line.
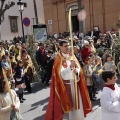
x=110 y=97
x=50 y=61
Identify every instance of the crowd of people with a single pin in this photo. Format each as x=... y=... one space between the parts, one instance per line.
x=19 y=68
x=85 y=50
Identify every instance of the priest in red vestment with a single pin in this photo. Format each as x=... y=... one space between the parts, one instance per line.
x=62 y=92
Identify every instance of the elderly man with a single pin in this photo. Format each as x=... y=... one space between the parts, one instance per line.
x=86 y=51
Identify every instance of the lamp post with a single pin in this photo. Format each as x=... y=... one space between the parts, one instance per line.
x=21 y=8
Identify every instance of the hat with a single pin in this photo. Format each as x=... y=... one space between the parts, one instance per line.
x=75 y=37
x=86 y=42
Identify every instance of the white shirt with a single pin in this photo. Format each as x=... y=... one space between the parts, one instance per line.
x=110 y=103
x=67 y=74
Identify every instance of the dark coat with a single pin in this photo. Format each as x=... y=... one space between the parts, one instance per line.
x=50 y=62
x=18 y=74
x=40 y=58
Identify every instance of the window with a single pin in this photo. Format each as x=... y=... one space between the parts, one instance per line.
x=13 y=24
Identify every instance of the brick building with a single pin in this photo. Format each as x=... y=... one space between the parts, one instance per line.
x=102 y=13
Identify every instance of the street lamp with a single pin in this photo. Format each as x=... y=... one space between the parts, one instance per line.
x=21 y=8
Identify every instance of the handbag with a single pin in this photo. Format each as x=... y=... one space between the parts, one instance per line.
x=22 y=85
x=14 y=116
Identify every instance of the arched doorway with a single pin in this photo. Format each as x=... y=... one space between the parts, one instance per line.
x=75 y=22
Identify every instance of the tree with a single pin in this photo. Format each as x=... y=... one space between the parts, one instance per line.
x=116 y=40
x=3 y=8
x=32 y=52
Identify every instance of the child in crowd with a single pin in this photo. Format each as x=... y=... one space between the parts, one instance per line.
x=5 y=65
x=110 y=97
x=98 y=66
x=19 y=79
x=92 y=56
x=50 y=61
x=94 y=87
x=106 y=53
x=109 y=64
x=88 y=76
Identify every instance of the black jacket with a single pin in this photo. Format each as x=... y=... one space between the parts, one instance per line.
x=18 y=75
x=40 y=58
x=50 y=62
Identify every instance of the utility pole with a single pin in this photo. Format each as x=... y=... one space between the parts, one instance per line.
x=80 y=7
x=103 y=11
x=35 y=9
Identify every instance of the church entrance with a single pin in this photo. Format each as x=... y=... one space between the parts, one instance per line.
x=74 y=12
x=75 y=24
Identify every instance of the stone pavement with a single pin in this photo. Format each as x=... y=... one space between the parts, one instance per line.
x=34 y=107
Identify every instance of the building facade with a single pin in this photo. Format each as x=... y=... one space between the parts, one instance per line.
x=11 y=26
x=100 y=13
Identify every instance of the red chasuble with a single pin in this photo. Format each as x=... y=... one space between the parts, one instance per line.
x=59 y=102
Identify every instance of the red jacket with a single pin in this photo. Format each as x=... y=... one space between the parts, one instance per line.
x=85 y=52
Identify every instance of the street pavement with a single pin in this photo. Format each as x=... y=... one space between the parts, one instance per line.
x=35 y=105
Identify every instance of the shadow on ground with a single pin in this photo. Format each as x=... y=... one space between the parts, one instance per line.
x=40 y=117
x=95 y=103
x=40 y=102
x=36 y=87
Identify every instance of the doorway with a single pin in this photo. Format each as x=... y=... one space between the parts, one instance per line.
x=75 y=24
